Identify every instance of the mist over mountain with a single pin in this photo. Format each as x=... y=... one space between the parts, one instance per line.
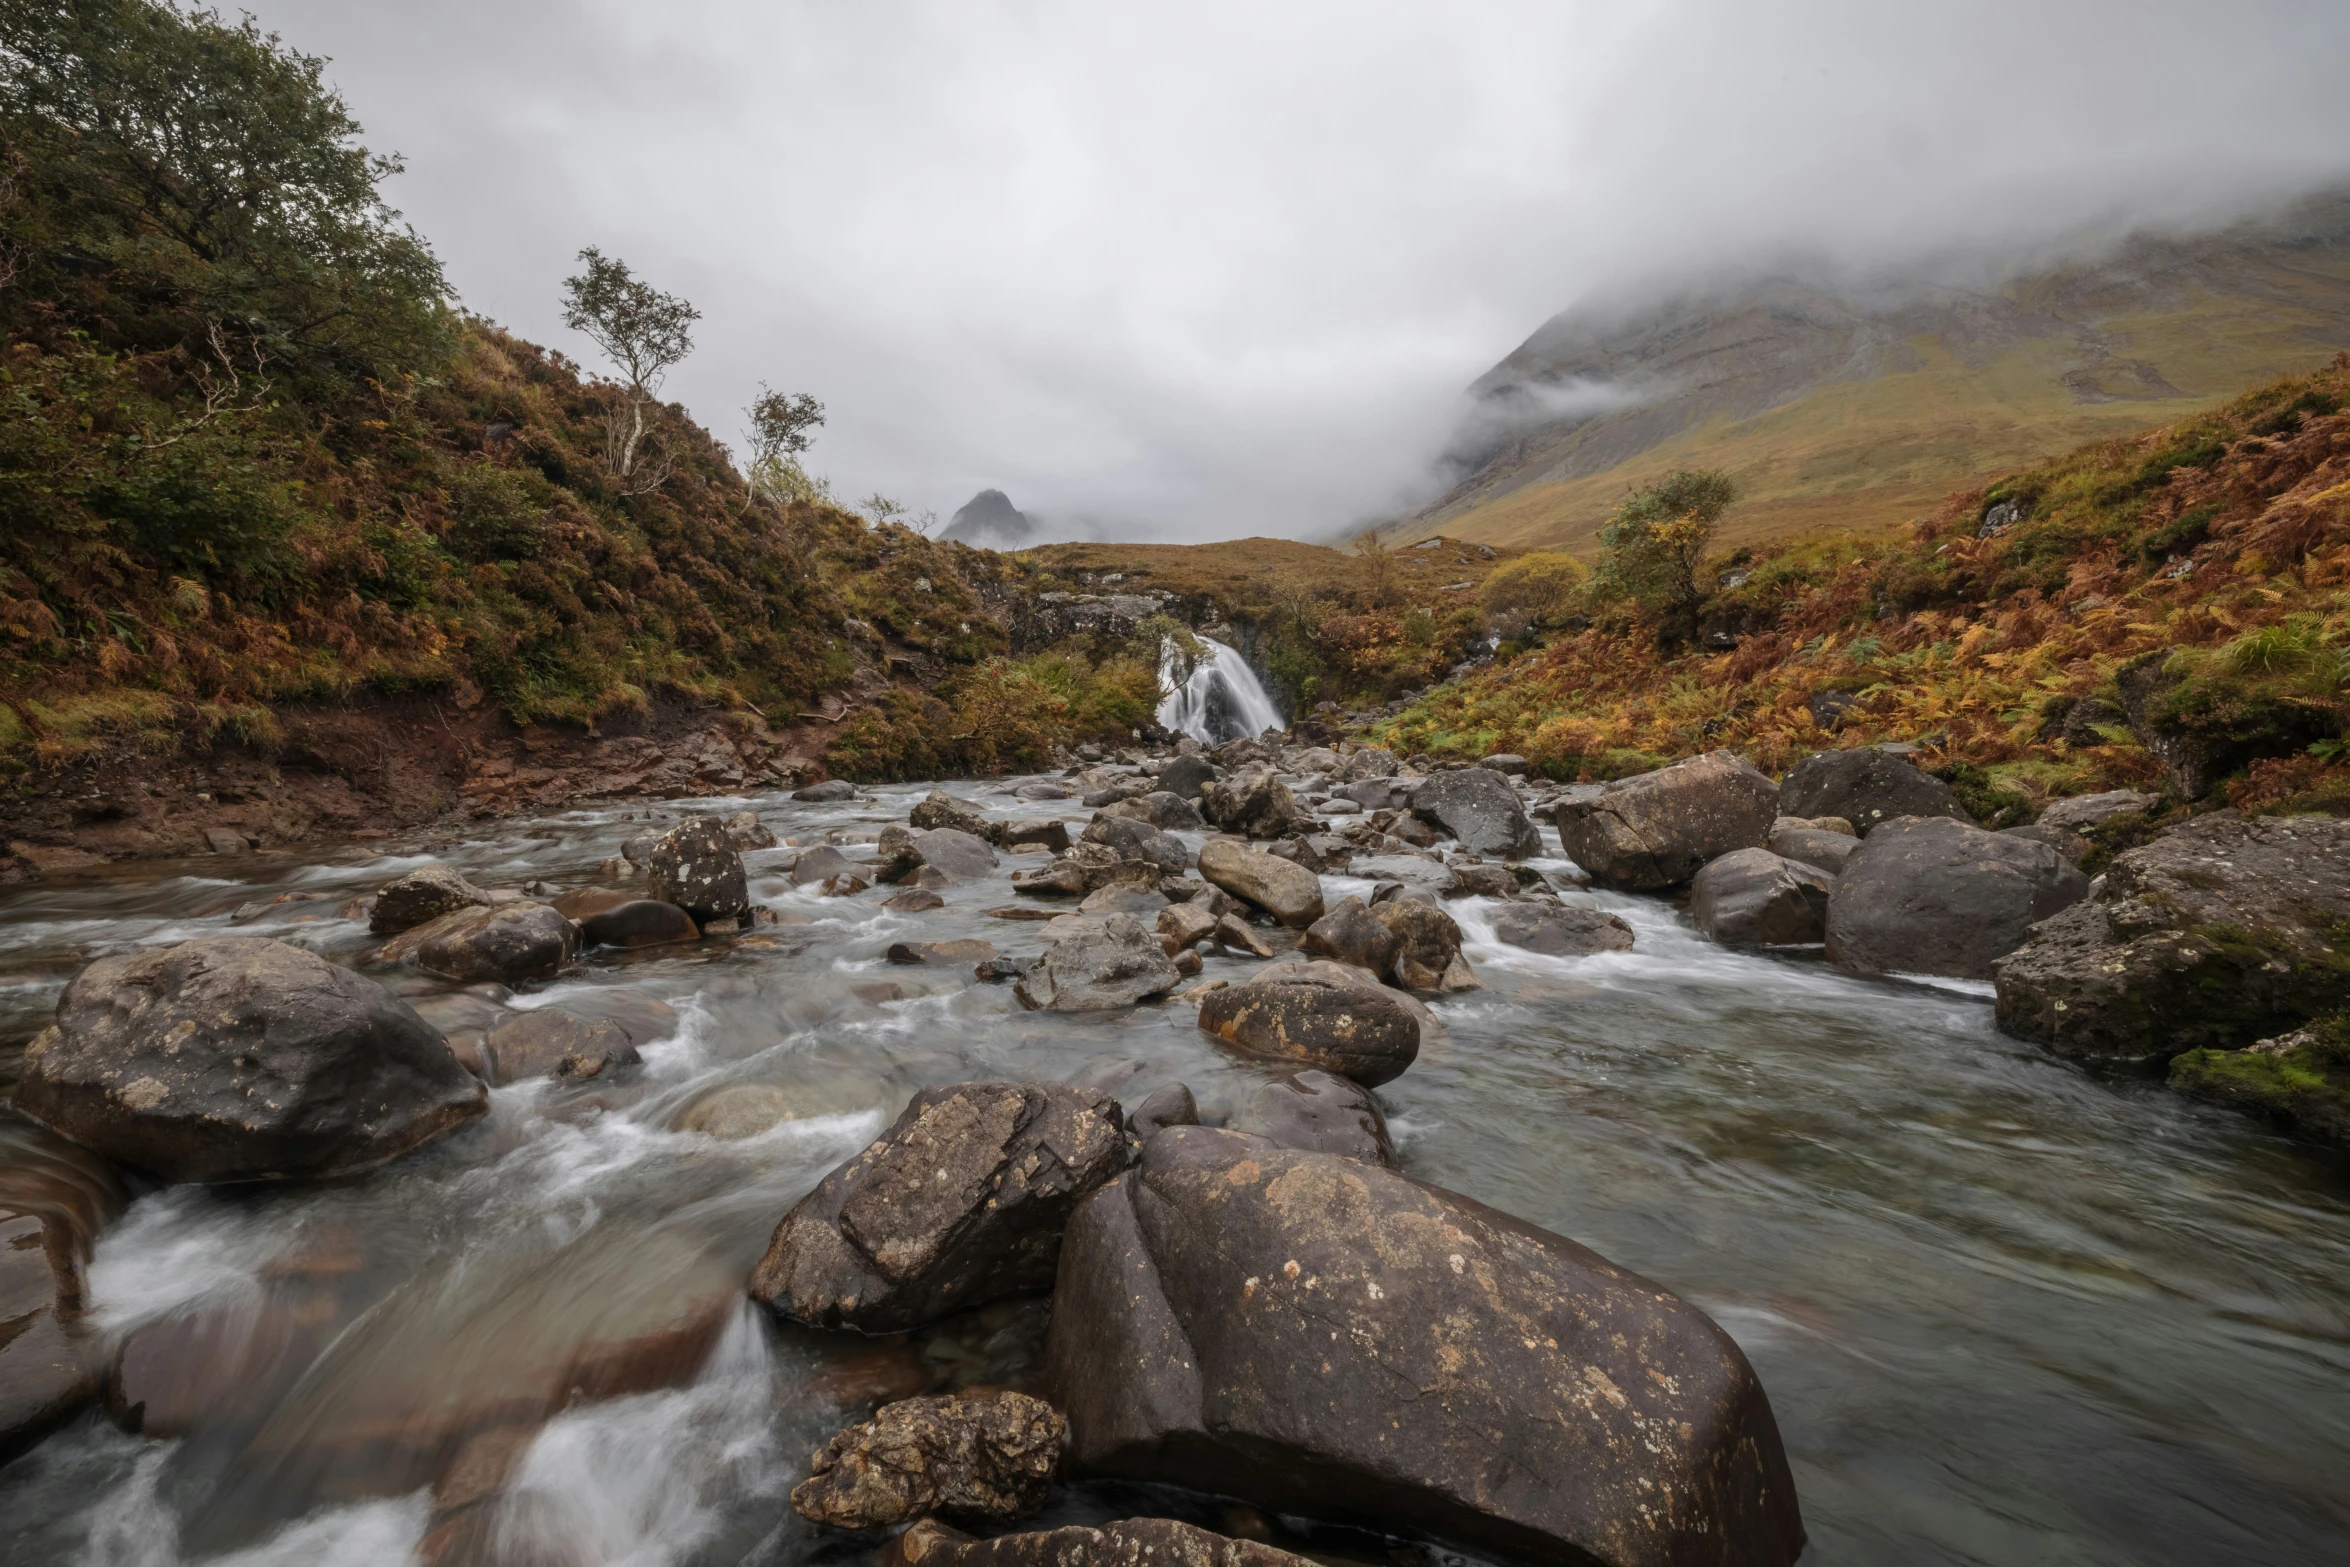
x=1856 y=402
x=989 y=520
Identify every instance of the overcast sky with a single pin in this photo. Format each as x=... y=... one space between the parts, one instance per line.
x=1213 y=269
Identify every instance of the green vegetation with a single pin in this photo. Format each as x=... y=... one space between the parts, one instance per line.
x=2301 y=1080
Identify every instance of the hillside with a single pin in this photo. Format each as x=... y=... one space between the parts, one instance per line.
x=1834 y=409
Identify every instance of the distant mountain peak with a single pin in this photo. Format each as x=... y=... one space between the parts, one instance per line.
x=989 y=520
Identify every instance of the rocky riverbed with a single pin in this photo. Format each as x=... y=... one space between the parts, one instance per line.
x=1323 y=1157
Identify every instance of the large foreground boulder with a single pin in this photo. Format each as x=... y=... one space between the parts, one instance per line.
x=239 y=1059
x=54 y=1199
x=1130 y=1542
x=1303 y=1020
x=1930 y=895
x=426 y=893
x=1316 y=1335
x=1480 y=807
x=1655 y=831
x=1867 y=787
x=698 y=868
x=1754 y=898
x=962 y=1201
x=1115 y=964
x=1282 y=888
x=511 y=943
x=981 y=1460
x=2217 y=934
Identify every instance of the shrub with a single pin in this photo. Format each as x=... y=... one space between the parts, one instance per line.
x=1534 y=590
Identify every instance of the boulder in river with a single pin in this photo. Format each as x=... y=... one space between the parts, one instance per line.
x=988 y=1459
x=1282 y=888
x=1049 y=834
x=960 y=1202
x=2221 y=932
x=695 y=867
x=1316 y=1335
x=619 y=919
x=54 y=1199
x=1427 y=945
x=1130 y=1542
x=1798 y=838
x=550 y=1042
x=423 y=894
x=746 y=832
x=2300 y=1080
x=1654 y=831
x=234 y=1058
x=1186 y=776
x=962 y=855
x=511 y=943
x=1135 y=839
x=940 y=809
x=1172 y=1105
x=1868 y=787
x=1318 y=1112
x=1363 y=1034
x=1254 y=803
x=1933 y=895
x=1754 y=898
x=1561 y=931
x=831 y=791
x=815 y=866
x=1351 y=933
x=1115 y=964
x=1481 y=808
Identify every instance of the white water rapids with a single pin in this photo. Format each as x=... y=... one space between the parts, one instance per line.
x=1220 y=699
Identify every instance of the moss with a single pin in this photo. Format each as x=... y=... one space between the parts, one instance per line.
x=2305 y=1086
x=1991 y=798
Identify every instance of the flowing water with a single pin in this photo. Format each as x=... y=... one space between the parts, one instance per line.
x=2007 y=1312
x=1218 y=699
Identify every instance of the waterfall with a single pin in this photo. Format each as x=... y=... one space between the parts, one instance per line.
x=1218 y=700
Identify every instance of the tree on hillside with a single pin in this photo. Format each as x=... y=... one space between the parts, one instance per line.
x=1650 y=549
x=780 y=428
x=641 y=330
x=1378 y=558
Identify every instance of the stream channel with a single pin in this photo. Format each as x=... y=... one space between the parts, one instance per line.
x=2007 y=1311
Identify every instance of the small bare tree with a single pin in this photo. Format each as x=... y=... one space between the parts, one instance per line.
x=779 y=430
x=881 y=509
x=1378 y=559
x=641 y=330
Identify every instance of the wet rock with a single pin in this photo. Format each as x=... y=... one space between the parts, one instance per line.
x=54 y=1199
x=962 y=1201
x=1130 y=1542
x=1172 y=1105
x=1238 y=1318
x=1123 y=899
x=1560 y=931
x=424 y=894
x=997 y=970
x=1795 y=838
x=744 y=832
x=1351 y=933
x=1254 y=803
x=2083 y=812
x=736 y=1111
x=962 y=855
x=1867 y=787
x=1346 y=975
x=820 y=864
x=846 y=885
x=966 y=950
x=1189 y=923
x=984 y=1460
x=939 y=809
x=618 y=919
x=1169 y=811
x=1480 y=808
x=1482 y=881
x=914 y=900
x=1318 y=1113
x=1113 y=965
x=696 y=868
x=550 y=1042
x=1087 y=867
x=1428 y=946
x=1931 y=895
x=1410 y=870
x=1361 y=1034
x=1754 y=898
x=512 y=943
x=829 y=792
x=1186 y=776
x=1139 y=840
x=1289 y=892
x=1053 y=835
x=237 y=1059
x=2220 y=932
x=1232 y=934
x=1653 y=832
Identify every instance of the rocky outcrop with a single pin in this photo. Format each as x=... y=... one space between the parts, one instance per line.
x=2219 y=933
x=696 y=867
x=426 y=893
x=1313 y=1334
x=1130 y=1542
x=1754 y=898
x=1481 y=808
x=54 y=1199
x=1282 y=888
x=1867 y=787
x=962 y=1201
x=980 y=1460
x=1560 y=931
x=1654 y=831
x=1931 y=895
x=1427 y=946
x=1298 y=1020
x=238 y=1059
x=511 y=943
x=1113 y=965
x=1317 y=1112
x=1255 y=803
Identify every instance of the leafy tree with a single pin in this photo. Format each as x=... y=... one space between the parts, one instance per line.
x=781 y=427
x=640 y=329
x=1650 y=549
x=1533 y=589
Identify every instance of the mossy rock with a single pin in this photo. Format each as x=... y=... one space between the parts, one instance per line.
x=2301 y=1080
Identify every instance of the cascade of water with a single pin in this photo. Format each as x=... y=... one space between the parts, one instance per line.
x=1219 y=700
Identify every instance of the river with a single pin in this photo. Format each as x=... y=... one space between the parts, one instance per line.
x=2007 y=1311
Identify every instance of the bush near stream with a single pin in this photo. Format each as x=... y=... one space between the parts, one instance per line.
x=2214 y=553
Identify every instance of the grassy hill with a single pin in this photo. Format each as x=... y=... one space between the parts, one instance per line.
x=1842 y=411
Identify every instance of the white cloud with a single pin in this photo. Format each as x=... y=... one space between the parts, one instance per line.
x=1225 y=268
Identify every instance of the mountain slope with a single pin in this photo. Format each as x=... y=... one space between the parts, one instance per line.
x=1846 y=410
